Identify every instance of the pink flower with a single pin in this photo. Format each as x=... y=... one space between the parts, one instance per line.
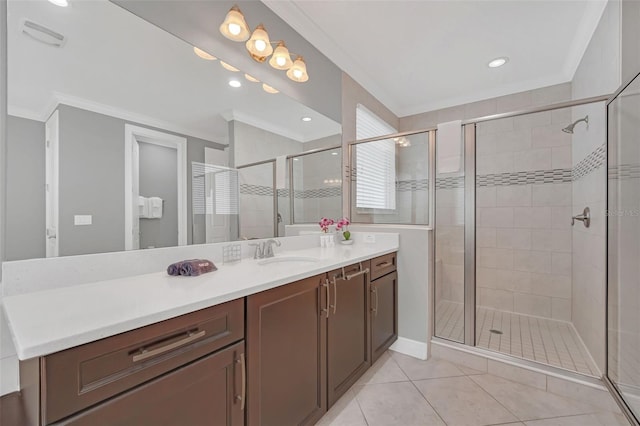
x=343 y=223
x=325 y=223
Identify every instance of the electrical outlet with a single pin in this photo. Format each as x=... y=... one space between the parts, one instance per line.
x=369 y=238
x=82 y=219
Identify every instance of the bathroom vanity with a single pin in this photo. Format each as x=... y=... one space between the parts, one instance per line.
x=276 y=343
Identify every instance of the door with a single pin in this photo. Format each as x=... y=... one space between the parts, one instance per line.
x=347 y=330
x=384 y=313
x=51 y=185
x=623 y=247
x=204 y=393
x=135 y=194
x=286 y=344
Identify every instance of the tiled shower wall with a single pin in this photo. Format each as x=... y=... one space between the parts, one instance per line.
x=523 y=206
x=523 y=213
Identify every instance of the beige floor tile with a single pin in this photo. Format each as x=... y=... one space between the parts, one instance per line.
x=418 y=369
x=345 y=412
x=395 y=404
x=461 y=402
x=601 y=419
x=385 y=370
x=528 y=403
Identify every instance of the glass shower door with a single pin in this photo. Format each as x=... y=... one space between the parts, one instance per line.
x=623 y=227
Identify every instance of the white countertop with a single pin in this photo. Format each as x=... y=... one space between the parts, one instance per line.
x=49 y=321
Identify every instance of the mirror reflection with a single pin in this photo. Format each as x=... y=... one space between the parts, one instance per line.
x=122 y=136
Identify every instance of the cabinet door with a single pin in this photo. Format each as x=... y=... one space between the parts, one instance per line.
x=348 y=354
x=384 y=313
x=206 y=392
x=286 y=344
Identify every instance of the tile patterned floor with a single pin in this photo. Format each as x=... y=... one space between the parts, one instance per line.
x=404 y=391
x=544 y=340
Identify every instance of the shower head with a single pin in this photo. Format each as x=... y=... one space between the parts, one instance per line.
x=569 y=128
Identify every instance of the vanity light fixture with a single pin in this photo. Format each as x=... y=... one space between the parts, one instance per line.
x=298 y=71
x=204 y=55
x=251 y=79
x=234 y=26
x=228 y=67
x=498 y=62
x=235 y=83
x=269 y=89
x=306 y=119
x=61 y=3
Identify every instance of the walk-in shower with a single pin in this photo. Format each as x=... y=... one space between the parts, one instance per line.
x=512 y=275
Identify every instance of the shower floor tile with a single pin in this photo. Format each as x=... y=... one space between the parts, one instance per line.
x=538 y=339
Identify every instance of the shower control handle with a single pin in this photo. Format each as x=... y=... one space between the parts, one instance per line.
x=585 y=218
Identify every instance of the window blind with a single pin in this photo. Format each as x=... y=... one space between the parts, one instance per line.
x=375 y=163
x=214 y=189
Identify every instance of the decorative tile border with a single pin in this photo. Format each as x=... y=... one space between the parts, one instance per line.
x=590 y=163
x=535 y=177
x=624 y=172
x=412 y=185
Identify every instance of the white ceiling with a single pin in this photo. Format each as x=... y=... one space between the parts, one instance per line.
x=417 y=56
x=116 y=63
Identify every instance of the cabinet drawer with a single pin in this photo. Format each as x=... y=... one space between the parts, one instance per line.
x=382 y=265
x=80 y=377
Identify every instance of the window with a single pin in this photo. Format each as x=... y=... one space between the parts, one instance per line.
x=375 y=163
x=214 y=189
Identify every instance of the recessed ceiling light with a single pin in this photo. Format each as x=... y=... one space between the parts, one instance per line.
x=498 y=62
x=334 y=153
x=234 y=83
x=295 y=159
x=306 y=118
x=201 y=53
x=61 y=3
x=228 y=67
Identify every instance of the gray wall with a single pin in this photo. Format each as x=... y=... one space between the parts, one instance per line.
x=3 y=125
x=158 y=171
x=92 y=180
x=26 y=198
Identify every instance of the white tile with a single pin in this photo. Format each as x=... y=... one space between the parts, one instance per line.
x=486 y=237
x=461 y=402
x=385 y=370
x=597 y=419
x=391 y=404
x=418 y=369
x=513 y=196
x=495 y=299
x=465 y=359
x=515 y=238
x=532 y=261
x=531 y=217
x=517 y=374
x=494 y=257
x=561 y=309
x=485 y=197
x=534 y=159
x=537 y=404
x=561 y=263
x=557 y=195
x=345 y=412
x=600 y=398
x=498 y=217
x=561 y=157
x=532 y=305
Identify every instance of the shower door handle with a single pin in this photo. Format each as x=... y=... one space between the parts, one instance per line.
x=585 y=218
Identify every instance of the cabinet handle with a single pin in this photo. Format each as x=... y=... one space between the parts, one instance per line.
x=144 y=353
x=335 y=292
x=360 y=272
x=243 y=393
x=374 y=290
x=326 y=285
x=384 y=264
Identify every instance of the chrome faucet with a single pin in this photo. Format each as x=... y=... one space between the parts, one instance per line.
x=268 y=247
x=264 y=249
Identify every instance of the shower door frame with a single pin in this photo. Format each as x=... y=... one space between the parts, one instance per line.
x=469 y=127
x=611 y=386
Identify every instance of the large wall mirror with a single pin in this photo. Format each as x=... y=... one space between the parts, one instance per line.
x=121 y=137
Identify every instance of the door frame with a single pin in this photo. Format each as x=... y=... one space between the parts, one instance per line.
x=52 y=179
x=132 y=136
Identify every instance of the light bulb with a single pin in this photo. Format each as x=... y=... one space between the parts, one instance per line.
x=297 y=73
x=234 y=29
x=281 y=61
x=61 y=3
x=261 y=45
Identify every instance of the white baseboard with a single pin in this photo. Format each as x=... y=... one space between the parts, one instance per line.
x=9 y=373
x=410 y=347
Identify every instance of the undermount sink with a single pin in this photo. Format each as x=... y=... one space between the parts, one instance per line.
x=277 y=259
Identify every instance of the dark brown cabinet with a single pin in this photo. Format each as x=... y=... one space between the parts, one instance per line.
x=286 y=353
x=203 y=393
x=348 y=355
x=186 y=370
x=384 y=304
